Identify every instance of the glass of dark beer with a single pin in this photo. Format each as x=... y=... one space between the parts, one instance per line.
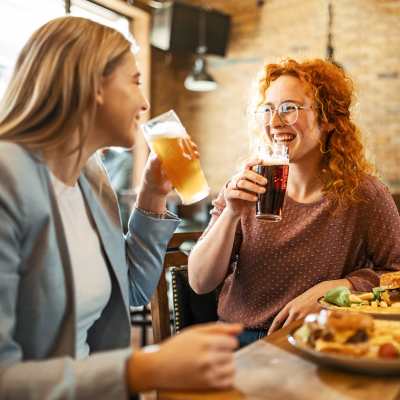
x=274 y=167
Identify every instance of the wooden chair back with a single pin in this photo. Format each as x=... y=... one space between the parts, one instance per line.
x=160 y=312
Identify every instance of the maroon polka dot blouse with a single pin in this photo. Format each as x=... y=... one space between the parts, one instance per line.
x=273 y=262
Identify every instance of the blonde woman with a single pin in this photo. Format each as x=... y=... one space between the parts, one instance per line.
x=340 y=226
x=67 y=272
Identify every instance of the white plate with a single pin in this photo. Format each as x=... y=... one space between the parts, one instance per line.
x=364 y=365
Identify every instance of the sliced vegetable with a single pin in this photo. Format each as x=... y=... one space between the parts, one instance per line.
x=338 y=296
x=377 y=291
x=388 y=350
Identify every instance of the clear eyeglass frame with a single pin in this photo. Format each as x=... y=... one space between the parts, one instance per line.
x=288 y=113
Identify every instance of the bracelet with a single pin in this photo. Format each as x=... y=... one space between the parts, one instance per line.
x=151 y=213
x=151 y=348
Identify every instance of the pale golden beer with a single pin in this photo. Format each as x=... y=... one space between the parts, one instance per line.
x=167 y=140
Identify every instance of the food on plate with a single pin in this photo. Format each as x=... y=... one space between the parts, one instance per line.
x=339 y=296
x=390 y=283
x=386 y=296
x=350 y=334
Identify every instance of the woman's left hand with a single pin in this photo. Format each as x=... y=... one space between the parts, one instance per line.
x=154 y=180
x=304 y=304
x=155 y=184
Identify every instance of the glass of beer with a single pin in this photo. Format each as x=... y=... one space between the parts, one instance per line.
x=274 y=167
x=168 y=138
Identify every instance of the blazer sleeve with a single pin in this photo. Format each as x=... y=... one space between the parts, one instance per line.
x=101 y=376
x=146 y=244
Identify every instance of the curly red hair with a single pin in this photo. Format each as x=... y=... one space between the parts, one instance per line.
x=344 y=162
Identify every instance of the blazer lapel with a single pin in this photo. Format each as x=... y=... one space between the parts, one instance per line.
x=103 y=207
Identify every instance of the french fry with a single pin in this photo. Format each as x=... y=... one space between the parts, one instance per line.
x=366 y=296
x=355 y=299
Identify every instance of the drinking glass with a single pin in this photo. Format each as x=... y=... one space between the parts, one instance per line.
x=275 y=167
x=167 y=137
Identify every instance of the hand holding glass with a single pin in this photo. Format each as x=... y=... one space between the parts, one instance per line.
x=274 y=167
x=168 y=138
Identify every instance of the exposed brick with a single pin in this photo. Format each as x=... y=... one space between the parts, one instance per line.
x=366 y=36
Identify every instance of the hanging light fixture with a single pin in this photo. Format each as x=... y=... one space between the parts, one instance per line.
x=199 y=80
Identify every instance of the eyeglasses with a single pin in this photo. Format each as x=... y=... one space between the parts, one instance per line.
x=288 y=113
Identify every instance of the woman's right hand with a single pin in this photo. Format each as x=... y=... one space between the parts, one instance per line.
x=243 y=189
x=200 y=357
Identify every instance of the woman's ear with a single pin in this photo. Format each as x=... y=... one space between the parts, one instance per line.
x=331 y=127
x=328 y=127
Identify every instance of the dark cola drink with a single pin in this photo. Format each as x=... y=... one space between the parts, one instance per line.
x=270 y=203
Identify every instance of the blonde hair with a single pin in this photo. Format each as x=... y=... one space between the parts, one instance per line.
x=53 y=87
x=344 y=162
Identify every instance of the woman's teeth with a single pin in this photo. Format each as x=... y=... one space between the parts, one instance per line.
x=286 y=138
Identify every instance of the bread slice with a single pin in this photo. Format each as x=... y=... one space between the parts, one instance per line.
x=391 y=280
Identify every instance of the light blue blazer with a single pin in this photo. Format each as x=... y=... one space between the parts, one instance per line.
x=37 y=303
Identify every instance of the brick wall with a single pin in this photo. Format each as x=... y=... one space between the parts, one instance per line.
x=366 y=36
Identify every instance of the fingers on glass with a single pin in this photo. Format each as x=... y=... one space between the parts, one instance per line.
x=188 y=151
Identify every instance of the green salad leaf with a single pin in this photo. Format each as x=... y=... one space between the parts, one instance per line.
x=377 y=291
x=338 y=296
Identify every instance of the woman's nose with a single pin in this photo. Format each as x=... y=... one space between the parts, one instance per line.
x=275 y=119
x=145 y=104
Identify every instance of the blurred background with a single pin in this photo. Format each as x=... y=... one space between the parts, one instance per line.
x=200 y=58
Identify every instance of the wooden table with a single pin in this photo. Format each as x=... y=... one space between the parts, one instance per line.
x=272 y=369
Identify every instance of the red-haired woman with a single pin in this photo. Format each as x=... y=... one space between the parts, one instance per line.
x=340 y=226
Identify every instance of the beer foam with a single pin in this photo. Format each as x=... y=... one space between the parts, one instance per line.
x=276 y=161
x=167 y=129
x=273 y=154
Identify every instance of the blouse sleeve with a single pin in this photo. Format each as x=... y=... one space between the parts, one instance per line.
x=382 y=230
x=219 y=205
